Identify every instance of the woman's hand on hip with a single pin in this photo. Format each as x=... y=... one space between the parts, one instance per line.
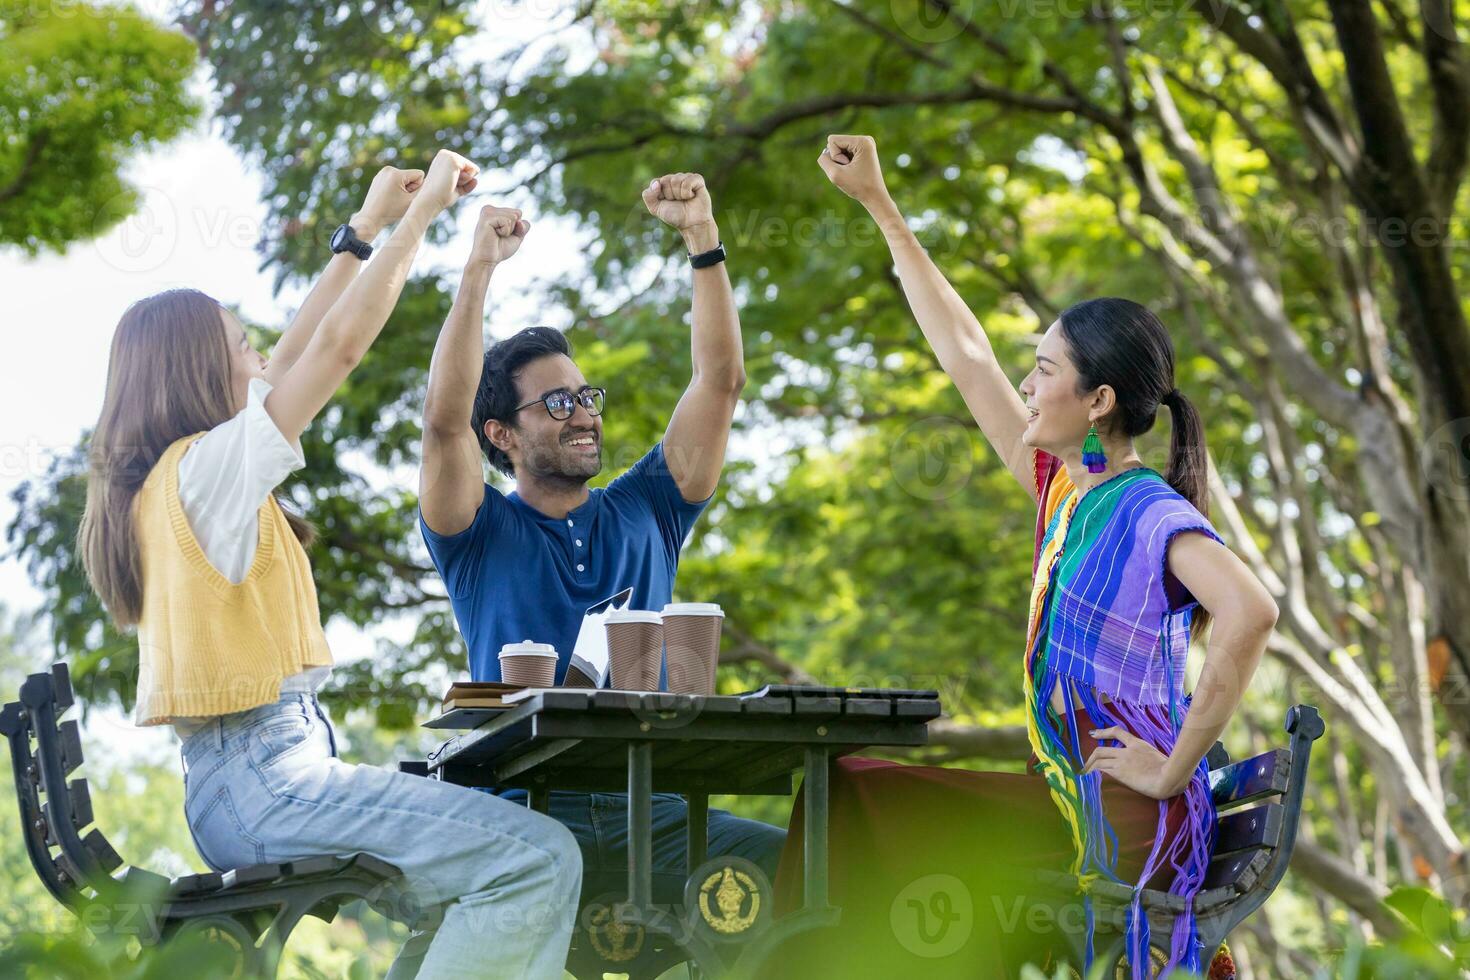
x=1134 y=763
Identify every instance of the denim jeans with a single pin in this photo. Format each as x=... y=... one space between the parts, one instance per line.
x=266 y=786
x=599 y=821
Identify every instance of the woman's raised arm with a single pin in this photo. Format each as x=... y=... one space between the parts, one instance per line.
x=354 y=321
x=391 y=193
x=958 y=339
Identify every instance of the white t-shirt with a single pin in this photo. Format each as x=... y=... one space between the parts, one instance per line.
x=224 y=477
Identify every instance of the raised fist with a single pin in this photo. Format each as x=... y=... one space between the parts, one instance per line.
x=498 y=235
x=450 y=178
x=679 y=200
x=851 y=162
x=388 y=197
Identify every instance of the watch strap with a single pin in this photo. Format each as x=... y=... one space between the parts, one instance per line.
x=351 y=243
x=704 y=260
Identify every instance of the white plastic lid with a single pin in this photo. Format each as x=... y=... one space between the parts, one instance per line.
x=693 y=609
x=526 y=648
x=633 y=616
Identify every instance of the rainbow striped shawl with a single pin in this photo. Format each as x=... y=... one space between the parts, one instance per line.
x=1107 y=615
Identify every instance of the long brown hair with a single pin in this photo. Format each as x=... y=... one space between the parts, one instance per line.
x=168 y=376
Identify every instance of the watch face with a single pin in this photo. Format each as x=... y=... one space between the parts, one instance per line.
x=339 y=237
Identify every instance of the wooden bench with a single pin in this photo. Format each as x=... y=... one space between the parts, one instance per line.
x=1259 y=803
x=251 y=910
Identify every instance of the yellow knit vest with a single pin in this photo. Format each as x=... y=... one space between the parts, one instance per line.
x=207 y=646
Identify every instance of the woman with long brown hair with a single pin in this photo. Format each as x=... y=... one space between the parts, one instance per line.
x=184 y=540
x=1126 y=567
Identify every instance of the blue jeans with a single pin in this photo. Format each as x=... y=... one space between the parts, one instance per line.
x=599 y=821
x=266 y=786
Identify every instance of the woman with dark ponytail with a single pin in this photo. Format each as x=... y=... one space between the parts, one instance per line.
x=931 y=865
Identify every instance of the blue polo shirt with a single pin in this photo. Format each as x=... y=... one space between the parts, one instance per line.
x=516 y=574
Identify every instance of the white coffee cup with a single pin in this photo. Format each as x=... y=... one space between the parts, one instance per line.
x=528 y=664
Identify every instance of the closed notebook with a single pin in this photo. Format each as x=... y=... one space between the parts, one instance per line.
x=477 y=694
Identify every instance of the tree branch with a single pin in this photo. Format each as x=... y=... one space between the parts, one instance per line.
x=34 y=148
x=1445 y=62
x=1342 y=881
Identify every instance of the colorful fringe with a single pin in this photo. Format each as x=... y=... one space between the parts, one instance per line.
x=1079 y=798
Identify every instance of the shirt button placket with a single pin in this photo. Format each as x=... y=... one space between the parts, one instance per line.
x=581 y=565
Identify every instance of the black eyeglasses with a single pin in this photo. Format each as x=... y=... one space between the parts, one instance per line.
x=560 y=404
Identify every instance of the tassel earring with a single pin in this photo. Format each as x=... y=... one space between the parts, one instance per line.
x=1092 y=451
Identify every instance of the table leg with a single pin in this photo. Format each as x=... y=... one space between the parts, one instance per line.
x=698 y=829
x=814 y=785
x=539 y=800
x=640 y=824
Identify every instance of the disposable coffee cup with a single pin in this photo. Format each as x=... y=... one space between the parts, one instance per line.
x=635 y=646
x=692 y=644
x=528 y=664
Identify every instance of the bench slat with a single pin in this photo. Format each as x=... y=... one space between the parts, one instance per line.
x=1251 y=779
x=81 y=803
x=71 y=746
x=81 y=809
x=95 y=842
x=255 y=874
x=867 y=707
x=61 y=687
x=145 y=882
x=316 y=865
x=1258 y=826
x=926 y=709
x=809 y=707
x=376 y=866
x=188 y=886
x=1238 y=871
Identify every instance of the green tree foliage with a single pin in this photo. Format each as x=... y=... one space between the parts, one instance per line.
x=83 y=88
x=1208 y=159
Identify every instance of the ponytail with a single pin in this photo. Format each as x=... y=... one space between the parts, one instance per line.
x=1188 y=471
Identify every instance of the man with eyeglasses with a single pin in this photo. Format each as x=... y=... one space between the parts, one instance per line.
x=529 y=564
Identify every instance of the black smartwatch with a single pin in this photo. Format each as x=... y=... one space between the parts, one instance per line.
x=344 y=239
x=704 y=260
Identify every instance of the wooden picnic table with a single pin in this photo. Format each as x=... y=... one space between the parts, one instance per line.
x=695 y=745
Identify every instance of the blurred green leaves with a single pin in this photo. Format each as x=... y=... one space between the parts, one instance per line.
x=83 y=88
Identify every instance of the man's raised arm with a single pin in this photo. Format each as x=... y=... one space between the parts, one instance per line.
x=451 y=478
x=694 y=445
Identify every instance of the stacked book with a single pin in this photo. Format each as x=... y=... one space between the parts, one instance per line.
x=468 y=704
